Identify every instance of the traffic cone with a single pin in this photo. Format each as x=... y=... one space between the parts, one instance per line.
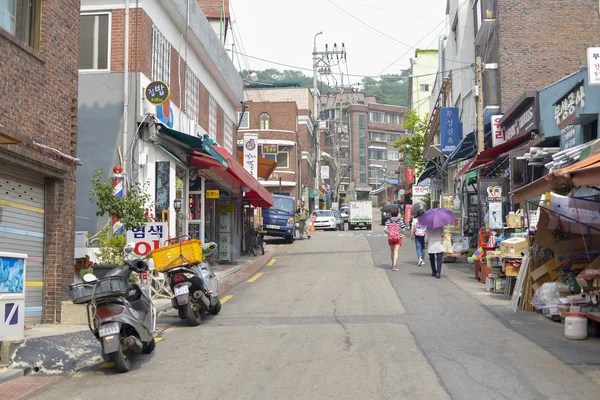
x=312 y=226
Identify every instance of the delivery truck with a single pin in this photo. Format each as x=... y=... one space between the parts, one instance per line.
x=360 y=215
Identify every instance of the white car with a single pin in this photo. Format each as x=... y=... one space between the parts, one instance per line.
x=344 y=213
x=325 y=219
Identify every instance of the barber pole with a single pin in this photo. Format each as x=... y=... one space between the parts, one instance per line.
x=117 y=181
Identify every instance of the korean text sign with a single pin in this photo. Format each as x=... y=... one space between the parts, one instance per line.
x=251 y=154
x=149 y=237
x=450 y=129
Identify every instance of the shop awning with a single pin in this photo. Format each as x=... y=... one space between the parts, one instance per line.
x=467 y=148
x=494 y=152
x=470 y=168
x=203 y=161
x=266 y=166
x=258 y=195
x=431 y=169
x=201 y=144
x=582 y=173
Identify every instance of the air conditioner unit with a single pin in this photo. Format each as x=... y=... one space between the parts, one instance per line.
x=324 y=124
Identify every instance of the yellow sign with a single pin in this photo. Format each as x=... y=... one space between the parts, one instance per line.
x=212 y=194
x=229 y=208
x=270 y=148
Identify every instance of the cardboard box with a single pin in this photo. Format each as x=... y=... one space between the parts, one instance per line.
x=514 y=221
x=511 y=270
x=514 y=247
x=545 y=273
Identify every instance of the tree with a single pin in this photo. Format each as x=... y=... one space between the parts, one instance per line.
x=389 y=89
x=413 y=145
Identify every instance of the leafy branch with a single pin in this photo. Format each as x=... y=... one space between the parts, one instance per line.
x=413 y=145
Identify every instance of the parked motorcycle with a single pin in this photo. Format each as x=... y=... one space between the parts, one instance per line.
x=195 y=288
x=120 y=314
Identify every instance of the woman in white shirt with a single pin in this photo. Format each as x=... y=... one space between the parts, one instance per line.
x=435 y=247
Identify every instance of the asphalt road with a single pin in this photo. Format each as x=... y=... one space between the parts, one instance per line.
x=329 y=319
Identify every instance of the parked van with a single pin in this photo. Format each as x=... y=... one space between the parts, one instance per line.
x=279 y=220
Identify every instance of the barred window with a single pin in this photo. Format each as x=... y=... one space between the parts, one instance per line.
x=229 y=135
x=161 y=56
x=192 y=91
x=212 y=118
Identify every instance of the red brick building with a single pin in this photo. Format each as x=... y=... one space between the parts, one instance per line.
x=39 y=49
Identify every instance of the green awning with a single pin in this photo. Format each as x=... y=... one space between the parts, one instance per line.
x=203 y=144
x=472 y=177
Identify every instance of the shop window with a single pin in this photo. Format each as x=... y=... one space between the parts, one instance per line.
x=590 y=131
x=281 y=158
x=161 y=56
x=94 y=39
x=244 y=122
x=264 y=121
x=518 y=172
x=21 y=18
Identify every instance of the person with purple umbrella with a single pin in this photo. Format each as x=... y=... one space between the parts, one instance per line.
x=435 y=220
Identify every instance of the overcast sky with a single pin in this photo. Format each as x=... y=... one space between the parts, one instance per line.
x=277 y=31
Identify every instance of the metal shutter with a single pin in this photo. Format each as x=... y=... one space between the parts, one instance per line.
x=22 y=231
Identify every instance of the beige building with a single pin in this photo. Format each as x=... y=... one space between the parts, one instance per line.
x=424 y=69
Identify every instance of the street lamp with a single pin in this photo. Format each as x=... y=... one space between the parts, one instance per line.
x=177 y=208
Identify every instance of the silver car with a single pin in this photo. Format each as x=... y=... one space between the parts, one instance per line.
x=325 y=219
x=339 y=221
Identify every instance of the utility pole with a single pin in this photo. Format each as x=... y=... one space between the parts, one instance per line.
x=321 y=58
x=480 y=128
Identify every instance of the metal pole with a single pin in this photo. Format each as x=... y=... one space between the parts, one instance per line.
x=479 y=80
x=202 y=208
x=315 y=121
x=279 y=185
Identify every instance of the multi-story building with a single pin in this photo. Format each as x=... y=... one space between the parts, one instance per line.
x=276 y=124
x=175 y=148
x=366 y=136
x=38 y=149
x=280 y=96
x=421 y=83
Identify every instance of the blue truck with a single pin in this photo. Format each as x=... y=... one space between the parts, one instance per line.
x=279 y=220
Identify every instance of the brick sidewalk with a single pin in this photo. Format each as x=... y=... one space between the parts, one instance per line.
x=227 y=283
x=25 y=386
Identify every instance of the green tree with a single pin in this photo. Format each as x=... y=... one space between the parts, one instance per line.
x=413 y=145
x=389 y=89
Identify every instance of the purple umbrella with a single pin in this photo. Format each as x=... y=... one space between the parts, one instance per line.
x=436 y=218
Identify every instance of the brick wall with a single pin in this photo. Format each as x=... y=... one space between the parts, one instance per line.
x=212 y=8
x=143 y=30
x=541 y=41
x=41 y=104
x=283 y=114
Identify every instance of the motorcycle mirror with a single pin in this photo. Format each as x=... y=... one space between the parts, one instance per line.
x=89 y=278
x=129 y=248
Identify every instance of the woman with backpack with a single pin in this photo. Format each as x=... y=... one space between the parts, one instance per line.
x=394 y=227
x=417 y=234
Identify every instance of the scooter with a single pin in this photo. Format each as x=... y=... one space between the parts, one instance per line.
x=195 y=288
x=120 y=314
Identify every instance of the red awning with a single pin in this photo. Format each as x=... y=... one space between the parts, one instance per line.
x=494 y=152
x=255 y=192
x=203 y=161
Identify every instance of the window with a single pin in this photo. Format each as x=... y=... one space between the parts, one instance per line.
x=394 y=136
x=228 y=142
x=393 y=155
x=264 y=121
x=281 y=158
x=362 y=148
x=192 y=90
x=376 y=154
x=245 y=123
x=393 y=119
x=212 y=118
x=21 y=18
x=378 y=137
x=94 y=38
x=424 y=87
x=377 y=117
x=161 y=56
x=491 y=85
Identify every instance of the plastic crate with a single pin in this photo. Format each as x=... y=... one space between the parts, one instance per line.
x=113 y=286
x=175 y=255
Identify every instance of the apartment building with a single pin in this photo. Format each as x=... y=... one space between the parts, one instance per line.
x=421 y=84
x=38 y=154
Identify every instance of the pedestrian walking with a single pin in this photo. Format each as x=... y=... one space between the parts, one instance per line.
x=435 y=247
x=417 y=235
x=394 y=227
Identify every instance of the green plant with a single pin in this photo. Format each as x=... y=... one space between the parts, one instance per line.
x=86 y=271
x=130 y=209
x=133 y=278
x=426 y=202
x=413 y=145
x=110 y=246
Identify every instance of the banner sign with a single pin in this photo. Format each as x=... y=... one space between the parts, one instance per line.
x=251 y=154
x=410 y=175
x=324 y=171
x=408 y=213
x=450 y=129
x=593 y=64
x=498 y=132
x=420 y=190
x=149 y=237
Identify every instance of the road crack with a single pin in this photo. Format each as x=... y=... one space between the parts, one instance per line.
x=348 y=339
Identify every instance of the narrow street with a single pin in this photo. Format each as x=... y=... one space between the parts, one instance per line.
x=329 y=319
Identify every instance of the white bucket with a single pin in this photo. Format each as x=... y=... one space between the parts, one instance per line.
x=576 y=326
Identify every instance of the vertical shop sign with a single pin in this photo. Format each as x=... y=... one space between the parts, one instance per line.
x=593 y=64
x=453 y=232
x=225 y=212
x=491 y=191
x=410 y=175
x=450 y=129
x=408 y=216
x=498 y=132
x=251 y=153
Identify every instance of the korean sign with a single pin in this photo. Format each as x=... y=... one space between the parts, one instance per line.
x=524 y=123
x=569 y=137
x=251 y=153
x=212 y=194
x=593 y=64
x=157 y=93
x=450 y=129
x=420 y=190
x=270 y=148
x=324 y=171
x=564 y=109
x=498 y=132
x=149 y=237
x=410 y=175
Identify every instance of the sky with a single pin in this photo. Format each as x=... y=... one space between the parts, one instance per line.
x=283 y=31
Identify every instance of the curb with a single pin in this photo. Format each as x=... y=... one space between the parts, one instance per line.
x=10 y=374
x=246 y=272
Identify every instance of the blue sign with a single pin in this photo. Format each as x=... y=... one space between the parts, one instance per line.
x=450 y=130
x=11 y=274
